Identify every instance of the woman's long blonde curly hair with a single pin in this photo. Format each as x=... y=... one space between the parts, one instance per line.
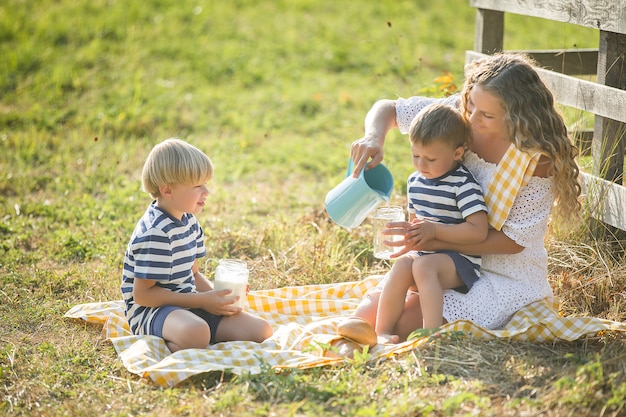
x=533 y=122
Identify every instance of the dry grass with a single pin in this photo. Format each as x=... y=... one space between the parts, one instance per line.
x=588 y=275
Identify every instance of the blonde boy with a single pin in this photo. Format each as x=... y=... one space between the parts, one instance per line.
x=165 y=293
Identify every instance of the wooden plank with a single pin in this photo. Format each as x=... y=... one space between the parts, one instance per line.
x=584 y=95
x=608 y=15
x=567 y=61
x=596 y=98
x=605 y=200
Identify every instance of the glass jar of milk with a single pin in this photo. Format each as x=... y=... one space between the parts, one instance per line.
x=232 y=274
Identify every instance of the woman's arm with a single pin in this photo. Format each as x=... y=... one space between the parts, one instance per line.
x=495 y=243
x=472 y=231
x=380 y=119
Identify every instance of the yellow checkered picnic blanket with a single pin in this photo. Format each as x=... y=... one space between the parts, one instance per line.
x=304 y=319
x=512 y=173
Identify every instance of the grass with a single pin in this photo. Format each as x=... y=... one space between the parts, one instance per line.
x=274 y=92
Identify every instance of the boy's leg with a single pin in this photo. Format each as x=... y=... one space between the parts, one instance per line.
x=434 y=273
x=391 y=303
x=243 y=326
x=184 y=330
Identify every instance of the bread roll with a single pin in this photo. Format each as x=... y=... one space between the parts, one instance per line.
x=358 y=330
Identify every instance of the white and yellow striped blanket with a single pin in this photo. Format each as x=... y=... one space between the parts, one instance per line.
x=304 y=320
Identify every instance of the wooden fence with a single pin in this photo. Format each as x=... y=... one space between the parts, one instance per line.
x=605 y=98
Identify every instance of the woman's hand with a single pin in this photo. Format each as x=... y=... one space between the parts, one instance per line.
x=402 y=229
x=378 y=121
x=361 y=152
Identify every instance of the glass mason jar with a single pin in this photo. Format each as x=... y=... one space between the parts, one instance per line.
x=232 y=274
x=383 y=216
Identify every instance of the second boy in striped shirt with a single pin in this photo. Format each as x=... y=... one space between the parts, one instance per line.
x=448 y=204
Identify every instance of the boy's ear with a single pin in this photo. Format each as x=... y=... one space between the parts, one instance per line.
x=458 y=153
x=166 y=191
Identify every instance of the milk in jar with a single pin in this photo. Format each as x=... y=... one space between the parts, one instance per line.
x=232 y=274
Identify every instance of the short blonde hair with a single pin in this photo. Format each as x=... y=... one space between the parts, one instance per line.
x=172 y=162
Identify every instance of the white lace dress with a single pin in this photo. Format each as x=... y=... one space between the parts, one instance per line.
x=507 y=282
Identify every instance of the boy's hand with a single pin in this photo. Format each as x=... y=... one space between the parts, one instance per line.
x=414 y=235
x=219 y=302
x=421 y=231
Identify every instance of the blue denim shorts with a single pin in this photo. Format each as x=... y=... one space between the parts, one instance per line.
x=156 y=327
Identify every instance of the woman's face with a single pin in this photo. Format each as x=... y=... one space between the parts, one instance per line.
x=487 y=115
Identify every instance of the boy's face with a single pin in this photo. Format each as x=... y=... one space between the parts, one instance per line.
x=435 y=159
x=178 y=199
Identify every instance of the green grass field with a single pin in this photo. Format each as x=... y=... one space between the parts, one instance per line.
x=274 y=92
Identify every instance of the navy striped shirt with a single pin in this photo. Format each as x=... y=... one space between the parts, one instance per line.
x=448 y=199
x=164 y=249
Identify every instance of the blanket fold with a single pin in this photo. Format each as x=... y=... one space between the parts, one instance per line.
x=304 y=319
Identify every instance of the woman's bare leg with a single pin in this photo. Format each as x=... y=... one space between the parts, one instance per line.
x=411 y=318
x=368 y=307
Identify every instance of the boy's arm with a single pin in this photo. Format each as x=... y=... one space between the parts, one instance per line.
x=202 y=282
x=473 y=230
x=148 y=294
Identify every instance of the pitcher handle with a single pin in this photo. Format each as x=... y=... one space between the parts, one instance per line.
x=350 y=167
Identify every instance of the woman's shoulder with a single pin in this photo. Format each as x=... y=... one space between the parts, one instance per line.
x=408 y=108
x=473 y=162
x=542 y=167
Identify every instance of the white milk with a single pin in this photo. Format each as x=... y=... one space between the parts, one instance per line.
x=233 y=275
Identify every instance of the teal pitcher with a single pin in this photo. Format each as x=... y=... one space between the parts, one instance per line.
x=352 y=200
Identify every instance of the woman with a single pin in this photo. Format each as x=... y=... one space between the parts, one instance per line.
x=522 y=157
